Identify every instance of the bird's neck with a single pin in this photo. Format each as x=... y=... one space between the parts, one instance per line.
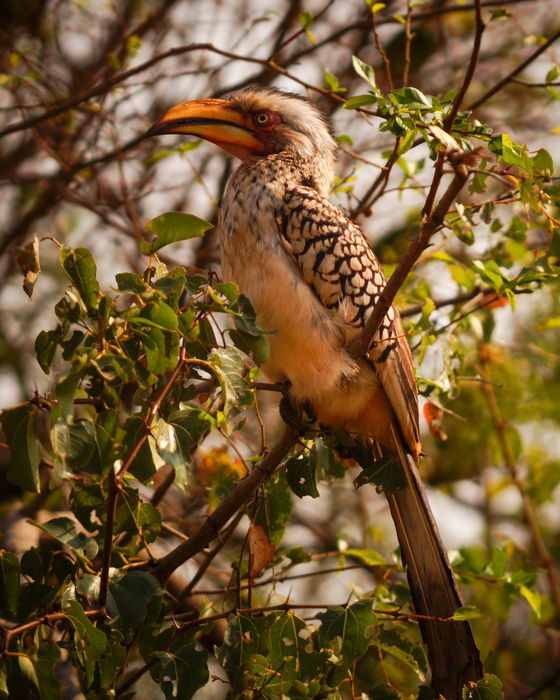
x=287 y=169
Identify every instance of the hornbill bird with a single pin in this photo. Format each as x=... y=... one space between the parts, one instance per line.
x=313 y=280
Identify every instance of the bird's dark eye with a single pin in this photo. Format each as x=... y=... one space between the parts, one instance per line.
x=262 y=118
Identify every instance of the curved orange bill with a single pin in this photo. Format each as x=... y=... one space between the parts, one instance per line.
x=214 y=120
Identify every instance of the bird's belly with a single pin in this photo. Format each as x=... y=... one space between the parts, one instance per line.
x=307 y=344
x=307 y=347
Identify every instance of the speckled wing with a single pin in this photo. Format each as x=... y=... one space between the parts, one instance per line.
x=337 y=262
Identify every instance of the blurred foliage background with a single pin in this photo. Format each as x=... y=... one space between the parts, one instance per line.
x=80 y=83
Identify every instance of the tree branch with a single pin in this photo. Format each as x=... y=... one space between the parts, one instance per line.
x=240 y=495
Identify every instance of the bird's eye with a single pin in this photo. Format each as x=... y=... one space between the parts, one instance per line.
x=262 y=118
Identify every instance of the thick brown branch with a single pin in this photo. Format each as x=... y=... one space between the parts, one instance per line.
x=237 y=498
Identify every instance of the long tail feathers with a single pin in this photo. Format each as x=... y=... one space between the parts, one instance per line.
x=452 y=652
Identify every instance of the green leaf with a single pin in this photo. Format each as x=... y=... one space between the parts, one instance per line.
x=9 y=582
x=157 y=314
x=90 y=642
x=274 y=508
x=511 y=152
x=131 y=282
x=499 y=560
x=230 y=368
x=81 y=269
x=142 y=466
x=368 y=556
x=543 y=163
x=393 y=642
x=385 y=473
x=365 y=71
x=467 y=612
x=177 y=437
x=534 y=598
x=46 y=344
x=359 y=101
x=129 y=599
x=301 y=474
x=352 y=624
x=172 y=227
x=64 y=530
x=184 y=673
x=410 y=97
x=47 y=658
x=18 y=425
x=407 y=141
x=73 y=446
x=489 y=688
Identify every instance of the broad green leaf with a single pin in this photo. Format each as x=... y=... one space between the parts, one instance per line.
x=9 y=582
x=359 y=101
x=46 y=344
x=353 y=625
x=409 y=97
x=385 y=473
x=184 y=673
x=157 y=314
x=64 y=530
x=230 y=367
x=407 y=141
x=79 y=265
x=18 y=425
x=90 y=642
x=177 y=437
x=47 y=657
x=274 y=508
x=172 y=227
x=365 y=71
x=368 y=556
x=74 y=446
x=393 y=642
x=256 y=346
x=467 y=612
x=543 y=163
x=489 y=688
x=511 y=152
x=131 y=282
x=129 y=598
x=534 y=598
x=142 y=466
x=499 y=560
x=301 y=474
x=112 y=660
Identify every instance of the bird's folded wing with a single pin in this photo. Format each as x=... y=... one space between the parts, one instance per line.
x=336 y=261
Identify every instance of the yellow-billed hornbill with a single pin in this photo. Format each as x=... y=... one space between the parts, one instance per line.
x=313 y=280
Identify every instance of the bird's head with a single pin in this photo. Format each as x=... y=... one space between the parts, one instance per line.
x=255 y=123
